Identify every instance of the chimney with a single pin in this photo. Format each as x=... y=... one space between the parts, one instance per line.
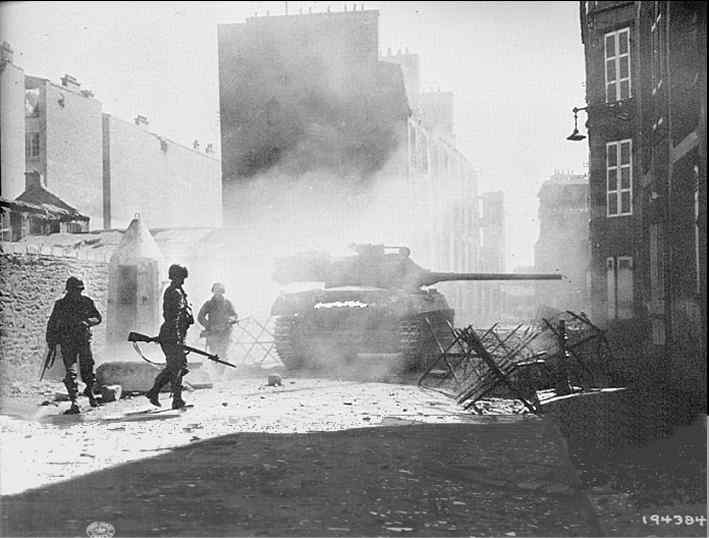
x=6 y=53
x=209 y=148
x=70 y=83
x=33 y=180
x=141 y=120
x=195 y=145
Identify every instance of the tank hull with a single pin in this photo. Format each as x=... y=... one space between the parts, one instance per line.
x=337 y=325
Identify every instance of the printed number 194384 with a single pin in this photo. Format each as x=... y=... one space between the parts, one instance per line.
x=676 y=519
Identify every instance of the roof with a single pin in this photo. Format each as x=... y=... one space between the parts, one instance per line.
x=37 y=199
x=36 y=194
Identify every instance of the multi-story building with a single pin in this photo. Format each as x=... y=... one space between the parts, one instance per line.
x=646 y=105
x=106 y=168
x=169 y=184
x=442 y=193
x=12 y=125
x=306 y=94
x=63 y=142
x=563 y=244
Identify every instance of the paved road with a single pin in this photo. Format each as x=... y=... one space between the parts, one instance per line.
x=312 y=457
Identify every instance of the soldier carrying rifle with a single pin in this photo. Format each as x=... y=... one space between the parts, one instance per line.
x=217 y=316
x=178 y=318
x=69 y=327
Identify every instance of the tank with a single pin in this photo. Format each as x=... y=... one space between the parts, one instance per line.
x=375 y=301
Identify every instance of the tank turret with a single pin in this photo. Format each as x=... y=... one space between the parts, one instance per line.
x=378 y=266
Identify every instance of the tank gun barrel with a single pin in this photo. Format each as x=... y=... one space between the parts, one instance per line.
x=430 y=277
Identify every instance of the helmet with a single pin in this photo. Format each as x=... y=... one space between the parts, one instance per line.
x=177 y=271
x=218 y=287
x=73 y=283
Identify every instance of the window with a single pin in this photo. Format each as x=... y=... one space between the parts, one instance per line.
x=619 y=178
x=5 y=228
x=619 y=285
x=32 y=145
x=617 y=68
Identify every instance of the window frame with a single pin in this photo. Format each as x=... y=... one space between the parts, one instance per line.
x=616 y=60
x=30 y=140
x=617 y=169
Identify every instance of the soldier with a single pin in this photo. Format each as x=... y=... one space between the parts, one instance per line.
x=178 y=318
x=69 y=327
x=217 y=316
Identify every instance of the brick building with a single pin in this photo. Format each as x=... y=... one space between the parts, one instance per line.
x=646 y=96
x=563 y=244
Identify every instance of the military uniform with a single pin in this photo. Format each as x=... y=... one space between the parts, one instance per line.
x=69 y=327
x=177 y=317
x=217 y=316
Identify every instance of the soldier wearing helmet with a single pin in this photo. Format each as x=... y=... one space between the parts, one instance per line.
x=177 y=316
x=218 y=316
x=69 y=327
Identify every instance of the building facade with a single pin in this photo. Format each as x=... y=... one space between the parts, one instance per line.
x=63 y=142
x=106 y=168
x=563 y=244
x=167 y=183
x=12 y=125
x=646 y=97
x=305 y=93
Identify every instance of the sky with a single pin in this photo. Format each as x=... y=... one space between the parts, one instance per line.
x=516 y=69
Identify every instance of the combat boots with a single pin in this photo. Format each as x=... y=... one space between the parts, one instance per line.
x=89 y=393
x=177 y=401
x=73 y=410
x=152 y=396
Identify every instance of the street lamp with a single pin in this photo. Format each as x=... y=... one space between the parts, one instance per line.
x=575 y=136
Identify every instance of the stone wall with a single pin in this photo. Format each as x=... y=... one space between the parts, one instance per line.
x=29 y=285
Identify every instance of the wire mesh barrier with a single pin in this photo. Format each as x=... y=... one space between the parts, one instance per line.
x=253 y=344
x=557 y=355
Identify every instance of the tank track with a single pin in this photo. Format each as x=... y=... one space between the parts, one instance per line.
x=285 y=339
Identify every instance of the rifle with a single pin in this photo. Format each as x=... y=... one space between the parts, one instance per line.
x=49 y=360
x=138 y=337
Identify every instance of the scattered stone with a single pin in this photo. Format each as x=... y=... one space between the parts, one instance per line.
x=225 y=404
x=274 y=380
x=110 y=393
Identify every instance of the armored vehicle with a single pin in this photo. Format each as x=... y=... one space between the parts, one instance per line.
x=375 y=301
